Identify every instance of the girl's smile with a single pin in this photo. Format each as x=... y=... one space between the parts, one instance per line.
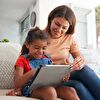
x=37 y=48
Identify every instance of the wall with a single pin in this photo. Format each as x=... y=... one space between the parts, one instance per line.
x=33 y=8
x=9 y=29
x=45 y=7
x=82 y=32
x=81 y=26
x=85 y=28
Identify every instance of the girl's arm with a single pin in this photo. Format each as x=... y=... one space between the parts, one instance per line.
x=20 y=79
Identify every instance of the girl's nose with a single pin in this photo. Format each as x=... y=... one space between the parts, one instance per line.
x=40 y=51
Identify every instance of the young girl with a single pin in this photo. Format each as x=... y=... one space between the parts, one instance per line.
x=32 y=56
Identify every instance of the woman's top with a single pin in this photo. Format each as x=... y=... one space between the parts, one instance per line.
x=27 y=64
x=60 y=49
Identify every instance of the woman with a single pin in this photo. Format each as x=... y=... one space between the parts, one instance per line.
x=60 y=27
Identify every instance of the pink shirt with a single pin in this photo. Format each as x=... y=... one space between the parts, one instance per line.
x=60 y=48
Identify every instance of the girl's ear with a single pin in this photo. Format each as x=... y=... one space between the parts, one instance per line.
x=27 y=45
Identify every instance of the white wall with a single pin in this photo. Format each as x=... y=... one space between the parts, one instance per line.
x=9 y=29
x=33 y=8
x=45 y=6
x=91 y=29
x=81 y=26
x=81 y=11
x=85 y=29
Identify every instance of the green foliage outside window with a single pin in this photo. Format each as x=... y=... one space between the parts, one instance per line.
x=97 y=16
x=5 y=40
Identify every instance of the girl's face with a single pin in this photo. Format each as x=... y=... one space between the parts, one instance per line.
x=59 y=26
x=37 y=48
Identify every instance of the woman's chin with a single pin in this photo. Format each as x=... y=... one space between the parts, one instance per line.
x=56 y=37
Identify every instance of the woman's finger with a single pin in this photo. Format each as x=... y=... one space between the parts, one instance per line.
x=78 y=63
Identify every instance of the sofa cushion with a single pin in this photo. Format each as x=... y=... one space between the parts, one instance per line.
x=8 y=55
x=19 y=98
x=92 y=57
x=16 y=98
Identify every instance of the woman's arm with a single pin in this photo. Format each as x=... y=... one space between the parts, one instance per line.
x=20 y=79
x=79 y=60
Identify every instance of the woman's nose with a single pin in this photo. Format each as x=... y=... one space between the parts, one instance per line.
x=60 y=29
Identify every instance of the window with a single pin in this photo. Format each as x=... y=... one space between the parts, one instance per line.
x=25 y=24
x=33 y=19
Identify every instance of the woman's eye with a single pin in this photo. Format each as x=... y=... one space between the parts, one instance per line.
x=57 y=24
x=65 y=28
x=44 y=48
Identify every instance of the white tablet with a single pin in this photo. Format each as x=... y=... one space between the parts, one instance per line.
x=50 y=75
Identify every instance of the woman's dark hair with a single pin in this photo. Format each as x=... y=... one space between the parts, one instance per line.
x=33 y=34
x=64 y=12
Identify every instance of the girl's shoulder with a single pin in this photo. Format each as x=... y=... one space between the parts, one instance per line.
x=22 y=57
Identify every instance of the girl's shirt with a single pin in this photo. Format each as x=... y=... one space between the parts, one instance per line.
x=27 y=64
x=61 y=48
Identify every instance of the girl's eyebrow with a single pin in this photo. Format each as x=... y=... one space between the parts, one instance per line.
x=35 y=45
x=38 y=46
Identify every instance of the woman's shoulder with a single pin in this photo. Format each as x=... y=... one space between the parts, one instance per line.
x=67 y=37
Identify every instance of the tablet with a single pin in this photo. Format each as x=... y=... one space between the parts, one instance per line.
x=50 y=75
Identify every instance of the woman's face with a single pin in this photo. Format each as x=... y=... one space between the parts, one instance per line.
x=59 y=26
x=37 y=48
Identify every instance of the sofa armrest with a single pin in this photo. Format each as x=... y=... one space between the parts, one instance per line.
x=9 y=53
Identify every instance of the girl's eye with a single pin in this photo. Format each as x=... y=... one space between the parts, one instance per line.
x=44 y=48
x=36 y=48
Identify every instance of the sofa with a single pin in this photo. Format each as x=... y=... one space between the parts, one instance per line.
x=9 y=52
x=92 y=58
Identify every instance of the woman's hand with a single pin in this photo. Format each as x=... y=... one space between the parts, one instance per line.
x=78 y=63
x=66 y=78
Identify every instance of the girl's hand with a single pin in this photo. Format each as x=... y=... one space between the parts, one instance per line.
x=14 y=92
x=78 y=63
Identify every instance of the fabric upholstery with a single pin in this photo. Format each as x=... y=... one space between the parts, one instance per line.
x=92 y=58
x=8 y=55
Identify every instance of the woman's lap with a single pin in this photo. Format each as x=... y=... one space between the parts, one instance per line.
x=88 y=80
x=81 y=90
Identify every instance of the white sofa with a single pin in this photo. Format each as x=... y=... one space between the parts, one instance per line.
x=8 y=55
x=92 y=57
